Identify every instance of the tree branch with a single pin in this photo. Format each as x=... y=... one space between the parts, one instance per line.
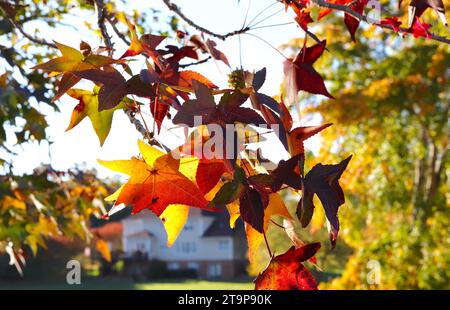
x=137 y=124
x=101 y=18
x=196 y=63
x=117 y=32
x=346 y=9
x=174 y=8
x=26 y=35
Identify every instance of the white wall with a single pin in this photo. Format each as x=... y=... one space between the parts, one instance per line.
x=189 y=245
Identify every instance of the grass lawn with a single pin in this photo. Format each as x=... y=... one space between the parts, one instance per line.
x=127 y=284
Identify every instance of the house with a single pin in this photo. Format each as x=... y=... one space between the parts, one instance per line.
x=207 y=244
x=110 y=232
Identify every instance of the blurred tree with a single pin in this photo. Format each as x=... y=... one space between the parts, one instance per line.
x=395 y=116
x=45 y=203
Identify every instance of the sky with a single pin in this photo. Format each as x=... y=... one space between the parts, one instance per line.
x=80 y=145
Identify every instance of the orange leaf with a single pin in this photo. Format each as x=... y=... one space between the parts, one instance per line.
x=155 y=183
x=103 y=248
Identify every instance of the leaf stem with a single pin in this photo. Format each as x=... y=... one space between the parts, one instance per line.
x=267 y=244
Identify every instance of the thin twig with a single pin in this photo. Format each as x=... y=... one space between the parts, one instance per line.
x=267 y=244
x=116 y=31
x=261 y=12
x=273 y=25
x=174 y=8
x=266 y=18
x=276 y=224
x=266 y=42
x=26 y=35
x=196 y=63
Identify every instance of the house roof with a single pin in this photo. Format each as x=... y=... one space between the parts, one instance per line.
x=143 y=233
x=109 y=232
x=221 y=226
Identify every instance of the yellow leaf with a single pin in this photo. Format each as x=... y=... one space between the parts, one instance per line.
x=174 y=218
x=115 y=195
x=233 y=210
x=10 y=202
x=188 y=167
x=318 y=219
x=88 y=106
x=276 y=206
x=149 y=153
x=254 y=240
x=103 y=249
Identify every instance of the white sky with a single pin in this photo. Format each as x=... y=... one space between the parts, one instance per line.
x=80 y=146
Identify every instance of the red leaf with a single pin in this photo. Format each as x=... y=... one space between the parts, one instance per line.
x=285 y=173
x=420 y=30
x=323 y=180
x=215 y=53
x=303 y=18
x=159 y=111
x=301 y=73
x=286 y=271
x=351 y=22
x=228 y=110
x=418 y=7
x=298 y=135
x=391 y=21
x=209 y=173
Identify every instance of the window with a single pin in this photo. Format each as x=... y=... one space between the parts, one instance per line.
x=193 y=266
x=188 y=226
x=224 y=245
x=173 y=266
x=214 y=270
x=187 y=247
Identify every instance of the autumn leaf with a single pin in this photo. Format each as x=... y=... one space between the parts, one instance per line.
x=178 y=53
x=286 y=271
x=417 y=7
x=228 y=110
x=255 y=238
x=285 y=173
x=103 y=248
x=252 y=200
x=114 y=86
x=351 y=22
x=303 y=18
x=159 y=110
x=146 y=44
x=420 y=29
x=391 y=21
x=323 y=181
x=71 y=61
x=298 y=135
x=155 y=182
x=174 y=218
x=215 y=53
x=88 y=106
x=301 y=75
x=209 y=172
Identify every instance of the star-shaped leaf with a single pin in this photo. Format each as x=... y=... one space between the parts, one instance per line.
x=323 y=181
x=71 y=61
x=88 y=106
x=155 y=182
x=301 y=75
x=286 y=271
